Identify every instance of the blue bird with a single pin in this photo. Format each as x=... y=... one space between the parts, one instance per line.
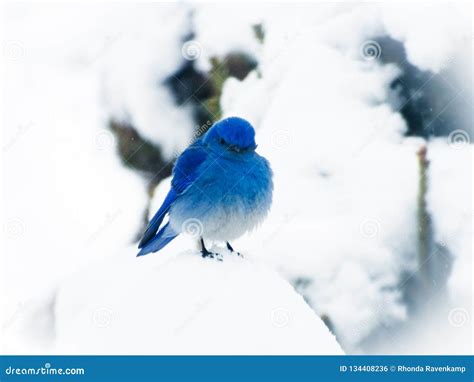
x=221 y=188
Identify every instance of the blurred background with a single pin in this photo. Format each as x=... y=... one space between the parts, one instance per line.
x=363 y=109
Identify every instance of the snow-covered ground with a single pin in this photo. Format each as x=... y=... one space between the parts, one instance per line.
x=182 y=304
x=178 y=304
x=344 y=227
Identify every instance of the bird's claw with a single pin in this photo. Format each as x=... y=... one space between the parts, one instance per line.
x=211 y=255
x=229 y=247
x=205 y=254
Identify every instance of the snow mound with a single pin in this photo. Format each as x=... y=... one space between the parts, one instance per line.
x=184 y=304
x=451 y=170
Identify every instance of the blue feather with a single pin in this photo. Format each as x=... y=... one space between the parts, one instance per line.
x=185 y=171
x=155 y=223
x=162 y=238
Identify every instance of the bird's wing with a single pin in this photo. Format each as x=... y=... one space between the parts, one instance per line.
x=158 y=241
x=158 y=218
x=185 y=172
x=187 y=167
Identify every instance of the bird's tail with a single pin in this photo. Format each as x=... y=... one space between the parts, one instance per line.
x=162 y=238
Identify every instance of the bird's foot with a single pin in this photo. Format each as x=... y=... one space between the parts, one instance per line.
x=206 y=253
x=229 y=247
x=211 y=255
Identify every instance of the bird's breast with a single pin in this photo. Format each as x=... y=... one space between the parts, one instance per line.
x=229 y=198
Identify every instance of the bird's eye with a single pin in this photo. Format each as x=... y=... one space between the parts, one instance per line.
x=222 y=141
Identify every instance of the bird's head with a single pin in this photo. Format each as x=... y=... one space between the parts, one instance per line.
x=232 y=134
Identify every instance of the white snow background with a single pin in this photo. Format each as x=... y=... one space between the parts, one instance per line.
x=340 y=245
